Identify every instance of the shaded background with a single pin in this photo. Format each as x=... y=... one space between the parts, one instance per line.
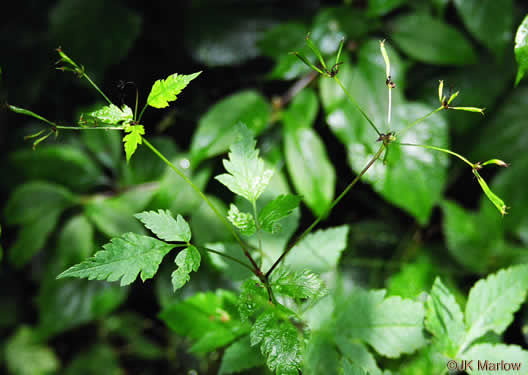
x=242 y=48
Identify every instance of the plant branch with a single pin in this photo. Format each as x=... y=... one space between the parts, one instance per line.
x=226 y=256
x=259 y=236
x=356 y=104
x=415 y=122
x=473 y=166
x=256 y=269
x=327 y=211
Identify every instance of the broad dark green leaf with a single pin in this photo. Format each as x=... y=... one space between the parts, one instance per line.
x=319 y=251
x=321 y=355
x=312 y=173
x=216 y=129
x=210 y=319
x=166 y=90
x=476 y=240
x=36 y=206
x=444 y=319
x=278 y=42
x=413 y=177
x=332 y=24
x=133 y=328
x=495 y=359
x=276 y=210
x=493 y=301
x=100 y=356
x=203 y=217
x=253 y=298
x=382 y=7
x=302 y=111
x=25 y=355
x=114 y=216
x=298 y=284
x=62 y=164
x=147 y=167
x=490 y=22
x=521 y=49
x=226 y=34
x=176 y=195
x=392 y=326
x=96 y=34
x=65 y=304
x=75 y=243
x=241 y=349
x=163 y=225
x=105 y=146
x=412 y=279
x=122 y=258
x=431 y=41
x=357 y=355
x=504 y=136
x=247 y=175
x=29 y=202
x=279 y=343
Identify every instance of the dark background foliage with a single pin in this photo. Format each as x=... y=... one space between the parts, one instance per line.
x=237 y=45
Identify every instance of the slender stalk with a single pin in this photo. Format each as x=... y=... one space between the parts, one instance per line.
x=355 y=103
x=259 y=236
x=227 y=256
x=88 y=128
x=473 y=166
x=327 y=211
x=141 y=113
x=390 y=107
x=209 y=203
x=415 y=122
x=96 y=87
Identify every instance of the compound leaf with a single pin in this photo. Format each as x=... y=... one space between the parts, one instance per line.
x=122 y=258
x=276 y=210
x=279 y=343
x=163 y=225
x=247 y=174
x=444 y=319
x=241 y=349
x=166 y=90
x=112 y=114
x=242 y=220
x=187 y=260
x=302 y=284
x=133 y=139
x=492 y=301
x=319 y=251
x=392 y=326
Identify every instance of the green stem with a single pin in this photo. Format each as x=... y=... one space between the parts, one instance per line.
x=259 y=236
x=415 y=122
x=355 y=103
x=226 y=256
x=327 y=211
x=473 y=166
x=96 y=87
x=141 y=113
x=206 y=200
x=88 y=128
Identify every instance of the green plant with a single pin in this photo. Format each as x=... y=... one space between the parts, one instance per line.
x=276 y=305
